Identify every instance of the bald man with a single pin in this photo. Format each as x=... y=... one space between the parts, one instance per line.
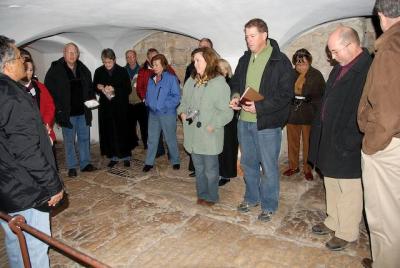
x=335 y=143
x=70 y=84
x=379 y=119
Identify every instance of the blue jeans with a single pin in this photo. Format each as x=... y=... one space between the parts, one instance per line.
x=260 y=147
x=37 y=249
x=207 y=176
x=166 y=123
x=81 y=130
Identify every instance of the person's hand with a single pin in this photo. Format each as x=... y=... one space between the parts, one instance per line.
x=210 y=129
x=48 y=128
x=249 y=107
x=109 y=89
x=55 y=199
x=100 y=87
x=234 y=104
x=183 y=117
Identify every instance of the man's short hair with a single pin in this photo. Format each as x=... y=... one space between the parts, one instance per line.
x=130 y=51
x=7 y=51
x=151 y=50
x=389 y=8
x=72 y=44
x=258 y=23
x=208 y=40
x=108 y=53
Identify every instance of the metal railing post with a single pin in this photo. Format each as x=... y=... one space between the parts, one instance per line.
x=17 y=225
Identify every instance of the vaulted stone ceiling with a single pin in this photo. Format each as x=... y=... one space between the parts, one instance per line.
x=95 y=24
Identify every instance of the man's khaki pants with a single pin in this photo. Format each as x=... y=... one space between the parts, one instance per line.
x=381 y=181
x=344 y=204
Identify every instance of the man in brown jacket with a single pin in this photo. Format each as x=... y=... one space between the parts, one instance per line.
x=379 y=119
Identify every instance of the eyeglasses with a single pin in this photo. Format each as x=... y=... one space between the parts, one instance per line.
x=336 y=52
x=17 y=58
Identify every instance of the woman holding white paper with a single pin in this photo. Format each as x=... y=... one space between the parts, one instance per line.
x=114 y=86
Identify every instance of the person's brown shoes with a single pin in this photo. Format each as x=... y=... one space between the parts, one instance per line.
x=289 y=172
x=203 y=202
x=336 y=244
x=308 y=176
x=366 y=263
x=321 y=229
x=200 y=201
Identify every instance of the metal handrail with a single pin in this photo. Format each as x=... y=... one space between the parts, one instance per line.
x=17 y=225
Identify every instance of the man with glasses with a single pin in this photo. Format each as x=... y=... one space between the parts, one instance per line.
x=379 y=119
x=70 y=84
x=335 y=142
x=29 y=183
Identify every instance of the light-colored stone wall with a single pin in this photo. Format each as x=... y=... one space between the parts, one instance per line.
x=315 y=40
x=175 y=47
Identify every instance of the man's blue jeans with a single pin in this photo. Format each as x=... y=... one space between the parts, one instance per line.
x=37 y=249
x=81 y=130
x=207 y=176
x=260 y=147
x=166 y=123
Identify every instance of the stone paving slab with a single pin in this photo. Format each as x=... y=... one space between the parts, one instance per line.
x=127 y=218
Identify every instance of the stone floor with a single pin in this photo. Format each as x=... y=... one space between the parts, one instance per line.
x=126 y=218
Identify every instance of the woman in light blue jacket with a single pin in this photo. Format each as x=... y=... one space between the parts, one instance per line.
x=205 y=111
x=162 y=98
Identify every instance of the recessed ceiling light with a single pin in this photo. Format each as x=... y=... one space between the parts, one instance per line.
x=13 y=6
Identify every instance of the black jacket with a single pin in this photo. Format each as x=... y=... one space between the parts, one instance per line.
x=58 y=83
x=113 y=114
x=335 y=142
x=28 y=175
x=276 y=86
x=302 y=112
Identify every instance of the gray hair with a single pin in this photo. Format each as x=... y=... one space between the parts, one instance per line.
x=7 y=51
x=72 y=44
x=389 y=8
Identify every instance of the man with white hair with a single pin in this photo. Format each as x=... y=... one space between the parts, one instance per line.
x=70 y=84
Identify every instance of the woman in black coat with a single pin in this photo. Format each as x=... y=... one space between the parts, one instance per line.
x=113 y=85
x=228 y=157
x=308 y=91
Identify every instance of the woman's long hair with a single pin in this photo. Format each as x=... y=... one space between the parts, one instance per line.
x=211 y=58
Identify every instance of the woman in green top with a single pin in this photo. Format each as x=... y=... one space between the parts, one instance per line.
x=205 y=111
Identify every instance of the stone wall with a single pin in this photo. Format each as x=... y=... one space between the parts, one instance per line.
x=315 y=40
x=175 y=47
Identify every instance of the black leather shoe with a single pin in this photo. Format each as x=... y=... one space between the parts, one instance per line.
x=112 y=163
x=72 y=173
x=176 y=166
x=366 y=263
x=193 y=174
x=336 y=244
x=89 y=168
x=321 y=229
x=147 y=168
x=127 y=163
x=223 y=181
